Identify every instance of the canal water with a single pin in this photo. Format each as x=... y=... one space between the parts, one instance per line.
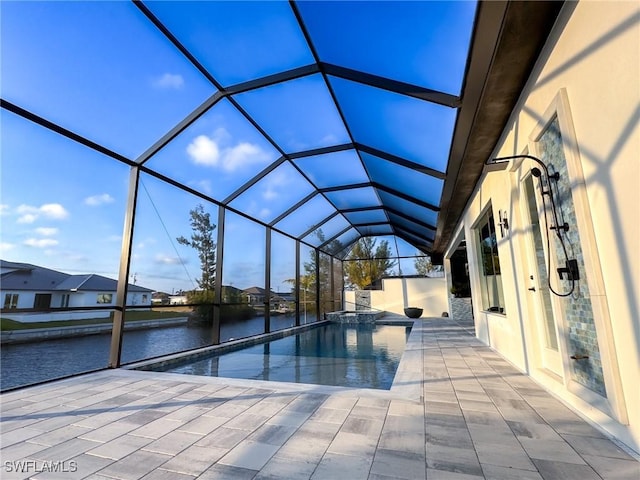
x=27 y=363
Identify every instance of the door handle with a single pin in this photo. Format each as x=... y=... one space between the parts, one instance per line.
x=533 y=289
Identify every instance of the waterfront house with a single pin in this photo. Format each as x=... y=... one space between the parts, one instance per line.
x=28 y=289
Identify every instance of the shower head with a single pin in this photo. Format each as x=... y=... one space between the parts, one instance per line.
x=536 y=172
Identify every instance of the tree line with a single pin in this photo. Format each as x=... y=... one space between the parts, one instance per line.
x=367 y=262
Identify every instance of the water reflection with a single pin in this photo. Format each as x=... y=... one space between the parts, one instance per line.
x=27 y=363
x=365 y=356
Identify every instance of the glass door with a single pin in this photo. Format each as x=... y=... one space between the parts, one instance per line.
x=539 y=293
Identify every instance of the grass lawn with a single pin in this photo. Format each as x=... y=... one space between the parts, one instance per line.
x=7 y=324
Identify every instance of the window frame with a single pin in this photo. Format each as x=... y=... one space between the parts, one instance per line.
x=101 y=297
x=490 y=276
x=11 y=301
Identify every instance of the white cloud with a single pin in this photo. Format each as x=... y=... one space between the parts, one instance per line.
x=204 y=151
x=270 y=194
x=54 y=210
x=276 y=181
x=40 y=242
x=4 y=209
x=169 y=80
x=22 y=209
x=29 y=213
x=97 y=200
x=6 y=246
x=167 y=260
x=27 y=218
x=264 y=213
x=241 y=155
x=46 y=231
x=214 y=151
x=114 y=238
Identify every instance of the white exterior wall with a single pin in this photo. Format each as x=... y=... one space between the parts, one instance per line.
x=594 y=57
x=430 y=294
x=25 y=299
x=76 y=299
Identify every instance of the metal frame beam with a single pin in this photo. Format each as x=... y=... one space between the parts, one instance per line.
x=370 y=224
x=117 y=329
x=409 y=233
x=267 y=281
x=296 y=284
x=165 y=31
x=215 y=327
x=406 y=197
x=408 y=224
x=269 y=80
x=410 y=90
x=401 y=161
x=318 y=312
x=180 y=127
x=362 y=209
x=348 y=246
x=327 y=242
x=339 y=188
x=375 y=234
x=321 y=151
x=415 y=233
x=398 y=213
x=64 y=132
x=253 y=180
x=318 y=225
x=293 y=209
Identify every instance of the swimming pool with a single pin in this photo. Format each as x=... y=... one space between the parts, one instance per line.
x=358 y=356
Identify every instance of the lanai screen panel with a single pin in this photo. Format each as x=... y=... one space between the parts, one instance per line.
x=217 y=154
x=298 y=114
x=274 y=193
x=236 y=41
x=334 y=169
x=256 y=105
x=420 y=43
x=100 y=69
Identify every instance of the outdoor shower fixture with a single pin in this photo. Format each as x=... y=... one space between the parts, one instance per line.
x=503 y=222
x=570 y=269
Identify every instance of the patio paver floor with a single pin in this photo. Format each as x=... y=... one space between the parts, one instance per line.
x=457 y=411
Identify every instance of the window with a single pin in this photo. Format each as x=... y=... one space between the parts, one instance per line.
x=490 y=279
x=105 y=297
x=42 y=300
x=11 y=300
x=145 y=298
x=64 y=300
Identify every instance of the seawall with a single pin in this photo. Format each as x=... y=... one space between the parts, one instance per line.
x=39 y=334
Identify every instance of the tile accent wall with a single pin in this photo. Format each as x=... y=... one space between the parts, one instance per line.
x=577 y=309
x=461 y=309
x=363 y=300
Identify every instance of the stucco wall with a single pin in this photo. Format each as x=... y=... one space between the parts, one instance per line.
x=594 y=55
x=430 y=294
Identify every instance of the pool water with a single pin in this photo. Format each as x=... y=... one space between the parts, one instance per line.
x=358 y=356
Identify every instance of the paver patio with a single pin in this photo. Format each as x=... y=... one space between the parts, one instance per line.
x=457 y=411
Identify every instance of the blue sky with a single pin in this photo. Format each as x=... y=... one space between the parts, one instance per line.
x=102 y=70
